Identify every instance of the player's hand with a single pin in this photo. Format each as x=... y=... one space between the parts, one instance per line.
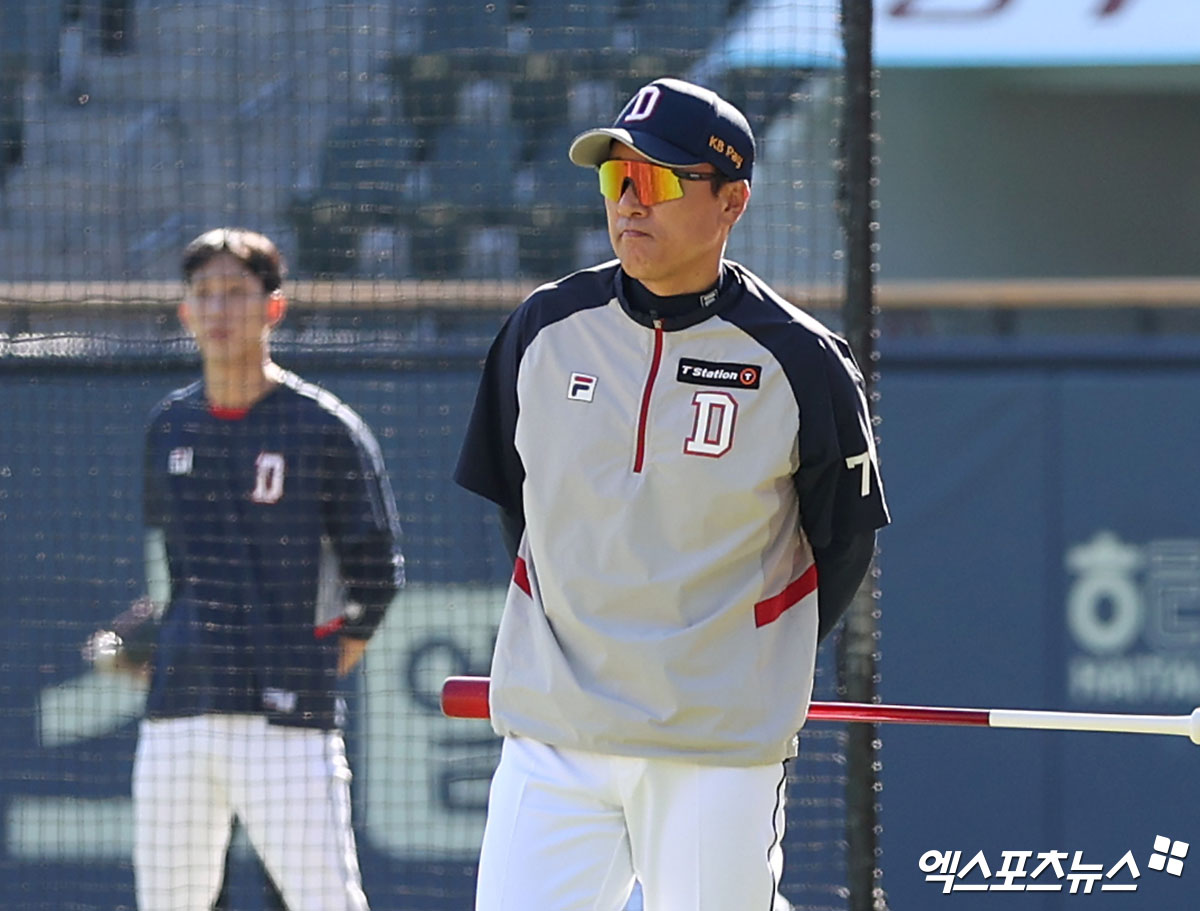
x=105 y=652
x=102 y=648
x=128 y=644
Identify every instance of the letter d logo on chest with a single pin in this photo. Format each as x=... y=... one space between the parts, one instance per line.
x=712 y=429
x=269 y=470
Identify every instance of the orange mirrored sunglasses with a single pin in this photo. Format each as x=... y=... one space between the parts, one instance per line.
x=651 y=182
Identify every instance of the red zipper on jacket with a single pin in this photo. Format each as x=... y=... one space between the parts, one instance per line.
x=644 y=413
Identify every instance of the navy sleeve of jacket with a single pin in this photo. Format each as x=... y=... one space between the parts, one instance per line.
x=841 y=567
x=139 y=625
x=156 y=505
x=360 y=513
x=838 y=480
x=488 y=463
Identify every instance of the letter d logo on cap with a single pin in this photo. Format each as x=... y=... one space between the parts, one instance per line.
x=643 y=103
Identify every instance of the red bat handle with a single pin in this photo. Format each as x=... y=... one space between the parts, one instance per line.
x=467 y=697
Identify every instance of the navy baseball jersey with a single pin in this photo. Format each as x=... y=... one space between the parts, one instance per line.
x=281 y=534
x=674 y=475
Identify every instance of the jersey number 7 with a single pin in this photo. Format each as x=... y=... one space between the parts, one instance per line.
x=863 y=459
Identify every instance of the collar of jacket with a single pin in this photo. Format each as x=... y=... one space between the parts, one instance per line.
x=728 y=290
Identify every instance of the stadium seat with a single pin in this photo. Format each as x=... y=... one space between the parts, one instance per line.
x=634 y=69
x=326 y=241
x=490 y=252
x=465 y=183
x=384 y=253
x=539 y=96
x=761 y=92
x=591 y=102
x=470 y=169
x=367 y=166
x=436 y=247
x=669 y=26
x=557 y=182
x=560 y=25
x=367 y=177
x=430 y=84
x=475 y=32
x=560 y=199
x=486 y=100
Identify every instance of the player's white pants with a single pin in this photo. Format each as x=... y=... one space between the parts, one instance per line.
x=289 y=786
x=569 y=831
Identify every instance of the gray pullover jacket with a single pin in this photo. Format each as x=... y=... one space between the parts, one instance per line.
x=675 y=475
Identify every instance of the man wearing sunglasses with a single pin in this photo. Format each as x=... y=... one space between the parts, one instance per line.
x=688 y=487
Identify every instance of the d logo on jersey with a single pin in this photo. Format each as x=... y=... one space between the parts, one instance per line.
x=268 y=478
x=712 y=431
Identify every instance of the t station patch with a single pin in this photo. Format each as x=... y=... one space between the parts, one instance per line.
x=713 y=373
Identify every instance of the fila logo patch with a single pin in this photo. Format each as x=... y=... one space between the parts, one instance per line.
x=581 y=388
x=180 y=460
x=713 y=373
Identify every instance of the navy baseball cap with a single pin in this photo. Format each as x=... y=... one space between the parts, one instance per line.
x=678 y=124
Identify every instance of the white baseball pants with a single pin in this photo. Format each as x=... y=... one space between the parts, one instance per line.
x=289 y=786
x=570 y=831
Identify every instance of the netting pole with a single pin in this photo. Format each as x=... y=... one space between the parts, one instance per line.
x=859 y=642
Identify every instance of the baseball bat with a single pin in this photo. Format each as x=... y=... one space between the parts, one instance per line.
x=467 y=697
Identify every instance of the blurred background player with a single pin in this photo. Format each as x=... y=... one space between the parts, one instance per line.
x=273 y=552
x=686 y=473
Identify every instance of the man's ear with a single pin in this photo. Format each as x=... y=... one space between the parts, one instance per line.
x=185 y=316
x=276 y=308
x=735 y=196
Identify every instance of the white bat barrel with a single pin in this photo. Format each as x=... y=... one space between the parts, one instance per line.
x=1183 y=725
